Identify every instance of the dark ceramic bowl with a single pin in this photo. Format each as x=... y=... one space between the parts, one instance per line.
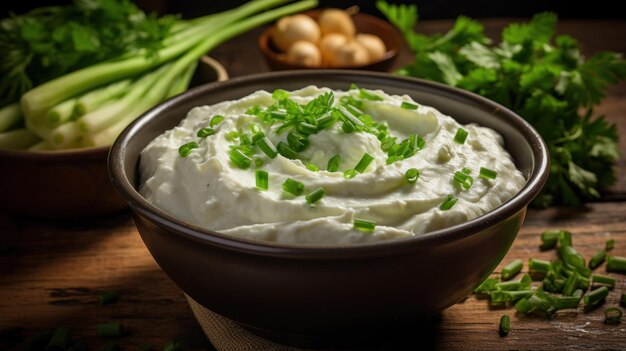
x=286 y=289
x=69 y=183
x=364 y=24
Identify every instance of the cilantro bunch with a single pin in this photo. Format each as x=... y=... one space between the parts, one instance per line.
x=543 y=78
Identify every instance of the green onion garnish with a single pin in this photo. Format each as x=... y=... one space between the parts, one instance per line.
x=267 y=147
x=604 y=280
x=597 y=259
x=364 y=225
x=505 y=325
x=205 y=132
x=616 y=264
x=297 y=142
x=286 y=151
x=280 y=94
x=350 y=173
x=293 y=187
x=350 y=117
x=333 y=163
x=325 y=121
x=549 y=239
x=594 y=297
x=565 y=238
x=315 y=196
x=408 y=105
x=570 y=285
x=448 y=203
x=613 y=315
x=185 y=149
x=364 y=162
x=563 y=302
x=511 y=269
x=369 y=95
x=215 y=120
x=279 y=114
x=108 y=330
x=311 y=167
x=460 y=136
x=411 y=175
x=107 y=297
x=538 y=266
x=239 y=158
x=232 y=135
x=487 y=173
x=262 y=179
x=463 y=179
x=608 y=246
x=487 y=285
x=258 y=162
x=348 y=127
x=306 y=128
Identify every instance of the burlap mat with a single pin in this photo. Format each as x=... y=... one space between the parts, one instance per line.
x=226 y=335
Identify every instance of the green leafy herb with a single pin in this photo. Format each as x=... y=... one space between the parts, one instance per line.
x=293 y=187
x=543 y=78
x=315 y=196
x=262 y=180
x=364 y=225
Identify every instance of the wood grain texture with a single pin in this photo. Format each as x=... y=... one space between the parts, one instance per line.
x=54 y=272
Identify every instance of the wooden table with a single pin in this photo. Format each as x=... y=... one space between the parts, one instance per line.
x=52 y=276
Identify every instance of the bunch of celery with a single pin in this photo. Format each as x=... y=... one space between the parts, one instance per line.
x=91 y=106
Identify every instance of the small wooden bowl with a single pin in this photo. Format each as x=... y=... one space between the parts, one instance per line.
x=364 y=24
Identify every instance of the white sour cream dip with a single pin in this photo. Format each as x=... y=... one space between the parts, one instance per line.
x=208 y=190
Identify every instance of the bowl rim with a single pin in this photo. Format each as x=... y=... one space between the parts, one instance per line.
x=534 y=183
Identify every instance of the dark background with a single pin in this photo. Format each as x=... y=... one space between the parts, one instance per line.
x=437 y=9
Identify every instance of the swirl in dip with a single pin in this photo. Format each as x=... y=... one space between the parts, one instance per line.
x=404 y=169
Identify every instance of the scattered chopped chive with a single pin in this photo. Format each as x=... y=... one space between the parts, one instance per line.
x=466 y=170
x=572 y=257
x=597 y=259
x=515 y=295
x=257 y=137
x=111 y=346
x=355 y=112
x=563 y=302
x=408 y=105
x=487 y=173
x=622 y=300
x=594 y=297
x=350 y=117
x=293 y=187
x=460 y=136
x=297 y=142
x=108 y=297
x=613 y=315
x=616 y=264
x=565 y=238
x=279 y=114
x=350 y=173
x=185 y=149
x=511 y=269
x=109 y=330
x=333 y=163
x=311 y=167
x=505 y=325
x=549 y=239
x=232 y=135
x=521 y=284
x=369 y=95
x=463 y=179
x=523 y=305
x=280 y=94
x=286 y=151
x=538 y=266
x=325 y=121
x=315 y=195
x=262 y=179
x=59 y=339
x=604 y=280
x=364 y=162
x=258 y=162
x=306 y=128
x=239 y=158
x=487 y=285
x=348 y=127
x=411 y=175
x=578 y=293
x=448 y=203
x=608 y=246
x=215 y=120
x=205 y=132
x=364 y=225
x=267 y=147
x=570 y=285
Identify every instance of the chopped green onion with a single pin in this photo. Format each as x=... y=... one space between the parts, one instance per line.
x=293 y=187
x=185 y=149
x=570 y=285
x=565 y=238
x=311 y=167
x=572 y=257
x=538 y=266
x=350 y=173
x=460 y=136
x=350 y=117
x=487 y=173
x=549 y=238
x=408 y=106
x=523 y=283
x=262 y=179
x=622 y=300
x=306 y=128
x=364 y=225
x=325 y=121
x=280 y=94
x=616 y=264
x=463 y=179
x=297 y=142
x=364 y=162
x=267 y=147
x=215 y=120
x=286 y=151
x=369 y=95
x=448 y=203
x=505 y=325
x=563 y=302
x=515 y=295
x=487 y=285
x=411 y=175
x=608 y=246
x=257 y=137
x=604 y=280
x=107 y=330
x=315 y=195
x=279 y=114
x=108 y=297
x=333 y=163
x=232 y=135
x=239 y=158
x=578 y=293
x=205 y=132
x=613 y=315
x=597 y=259
x=348 y=127
x=59 y=339
x=594 y=297
x=510 y=270
x=524 y=305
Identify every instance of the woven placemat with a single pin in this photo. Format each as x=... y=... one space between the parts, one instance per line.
x=226 y=335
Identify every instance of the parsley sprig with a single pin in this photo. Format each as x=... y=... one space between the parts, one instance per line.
x=543 y=78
